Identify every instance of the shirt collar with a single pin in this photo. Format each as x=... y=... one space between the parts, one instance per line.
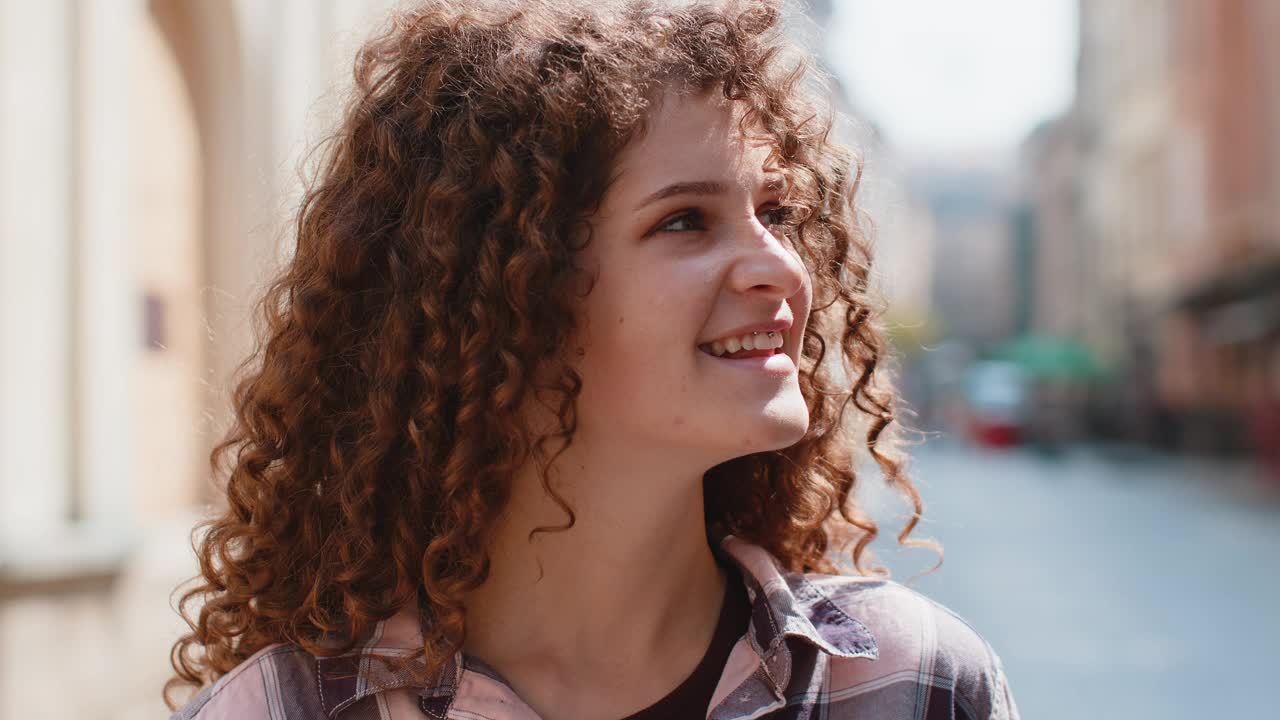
x=783 y=605
x=788 y=605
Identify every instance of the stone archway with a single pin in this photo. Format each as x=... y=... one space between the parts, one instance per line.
x=165 y=198
x=204 y=41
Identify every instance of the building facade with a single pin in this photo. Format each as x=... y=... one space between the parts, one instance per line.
x=1179 y=214
x=148 y=166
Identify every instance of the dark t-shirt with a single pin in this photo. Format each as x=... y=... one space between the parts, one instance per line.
x=690 y=700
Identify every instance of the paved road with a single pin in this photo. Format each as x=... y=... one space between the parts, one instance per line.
x=1136 y=587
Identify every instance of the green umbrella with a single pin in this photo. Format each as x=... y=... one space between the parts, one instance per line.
x=1048 y=356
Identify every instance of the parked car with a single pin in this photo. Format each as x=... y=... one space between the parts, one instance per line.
x=997 y=402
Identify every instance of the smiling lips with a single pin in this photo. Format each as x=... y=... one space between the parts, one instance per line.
x=760 y=340
x=752 y=344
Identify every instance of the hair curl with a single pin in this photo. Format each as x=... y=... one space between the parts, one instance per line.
x=376 y=428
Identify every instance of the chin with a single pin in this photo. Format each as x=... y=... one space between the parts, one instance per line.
x=782 y=425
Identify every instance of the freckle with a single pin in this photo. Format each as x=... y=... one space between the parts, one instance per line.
x=619 y=319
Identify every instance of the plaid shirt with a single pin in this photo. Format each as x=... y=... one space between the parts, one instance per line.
x=818 y=646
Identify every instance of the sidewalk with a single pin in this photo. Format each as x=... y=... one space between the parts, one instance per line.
x=101 y=654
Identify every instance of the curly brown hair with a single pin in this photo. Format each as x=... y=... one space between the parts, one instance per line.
x=434 y=281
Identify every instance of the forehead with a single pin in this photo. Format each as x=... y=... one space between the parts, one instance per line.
x=691 y=137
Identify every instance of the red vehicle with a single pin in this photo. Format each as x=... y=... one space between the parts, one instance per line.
x=996 y=395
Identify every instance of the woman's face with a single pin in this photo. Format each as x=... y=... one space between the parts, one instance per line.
x=688 y=255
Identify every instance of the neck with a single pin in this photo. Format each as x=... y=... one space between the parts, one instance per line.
x=631 y=587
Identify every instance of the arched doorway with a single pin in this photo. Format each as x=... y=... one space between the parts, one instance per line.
x=165 y=207
x=191 y=246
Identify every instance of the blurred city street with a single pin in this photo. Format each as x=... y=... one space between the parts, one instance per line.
x=1111 y=585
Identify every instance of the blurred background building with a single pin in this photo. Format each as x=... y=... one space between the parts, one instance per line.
x=1176 y=201
x=1099 y=285
x=150 y=151
x=1123 y=261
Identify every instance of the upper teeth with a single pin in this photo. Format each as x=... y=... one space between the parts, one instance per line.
x=750 y=341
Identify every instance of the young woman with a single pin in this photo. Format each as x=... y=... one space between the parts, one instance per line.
x=556 y=410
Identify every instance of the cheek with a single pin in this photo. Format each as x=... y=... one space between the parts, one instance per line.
x=645 y=390
x=626 y=336
x=643 y=325
x=642 y=360
x=651 y=307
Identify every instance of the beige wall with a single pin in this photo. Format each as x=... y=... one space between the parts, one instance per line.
x=36 y=289
x=165 y=192
x=146 y=146
x=150 y=149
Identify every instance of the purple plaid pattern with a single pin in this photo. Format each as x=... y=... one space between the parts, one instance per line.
x=818 y=646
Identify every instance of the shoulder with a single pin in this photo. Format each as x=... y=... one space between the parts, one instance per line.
x=917 y=639
x=276 y=678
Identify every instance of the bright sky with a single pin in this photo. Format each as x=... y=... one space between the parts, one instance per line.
x=944 y=76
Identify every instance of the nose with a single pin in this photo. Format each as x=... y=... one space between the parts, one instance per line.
x=766 y=264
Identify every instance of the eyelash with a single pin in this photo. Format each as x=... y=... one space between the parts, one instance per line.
x=696 y=217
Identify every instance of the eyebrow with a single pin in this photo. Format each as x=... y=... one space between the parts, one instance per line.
x=773 y=183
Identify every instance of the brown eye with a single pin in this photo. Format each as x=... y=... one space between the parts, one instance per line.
x=684 y=222
x=777 y=215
